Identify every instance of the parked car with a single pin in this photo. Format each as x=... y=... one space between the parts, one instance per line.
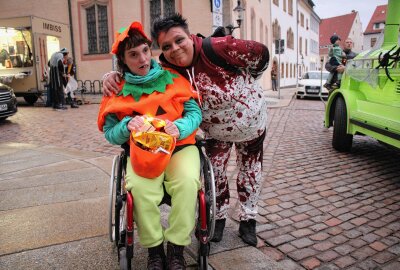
x=310 y=84
x=368 y=100
x=8 y=102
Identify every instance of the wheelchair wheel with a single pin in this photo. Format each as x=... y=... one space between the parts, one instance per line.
x=206 y=216
x=111 y=200
x=203 y=253
x=124 y=261
x=209 y=189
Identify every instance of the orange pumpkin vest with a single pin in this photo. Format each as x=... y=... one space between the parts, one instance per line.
x=167 y=105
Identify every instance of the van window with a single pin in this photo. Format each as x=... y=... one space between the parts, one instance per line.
x=15 y=47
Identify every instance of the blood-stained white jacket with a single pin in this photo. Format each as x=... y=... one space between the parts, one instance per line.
x=233 y=104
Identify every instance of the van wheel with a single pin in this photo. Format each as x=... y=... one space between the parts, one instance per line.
x=341 y=141
x=30 y=99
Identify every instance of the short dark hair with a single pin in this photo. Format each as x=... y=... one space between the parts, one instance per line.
x=134 y=39
x=164 y=24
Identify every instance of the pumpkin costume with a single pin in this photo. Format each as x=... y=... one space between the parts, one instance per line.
x=163 y=94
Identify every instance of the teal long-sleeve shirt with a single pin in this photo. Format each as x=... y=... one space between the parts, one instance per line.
x=116 y=131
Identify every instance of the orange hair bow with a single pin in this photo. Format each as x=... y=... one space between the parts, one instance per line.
x=123 y=33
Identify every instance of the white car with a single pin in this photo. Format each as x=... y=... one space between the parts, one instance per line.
x=310 y=84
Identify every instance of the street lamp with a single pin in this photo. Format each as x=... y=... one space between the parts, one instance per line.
x=239 y=14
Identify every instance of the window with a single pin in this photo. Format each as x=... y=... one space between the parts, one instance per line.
x=290 y=39
x=301 y=45
x=161 y=8
x=287 y=70
x=282 y=70
x=276 y=30
x=377 y=26
x=15 y=47
x=276 y=2
x=314 y=46
x=305 y=46
x=284 y=5
x=97 y=28
x=261 y=31
x=266 y=35
x=307 y=24
x=373 y=41
x=302 y=19
x=290 y=7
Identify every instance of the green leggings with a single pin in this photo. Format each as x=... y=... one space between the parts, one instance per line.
x=181 y=180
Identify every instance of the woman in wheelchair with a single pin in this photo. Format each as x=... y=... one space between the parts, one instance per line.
x=150 y=90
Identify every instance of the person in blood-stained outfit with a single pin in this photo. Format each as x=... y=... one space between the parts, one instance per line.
x=233 y=106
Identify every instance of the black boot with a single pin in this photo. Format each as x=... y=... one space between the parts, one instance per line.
x=73 y=105
x=157 y=259
x=175 y=258
x=219 y=230
x=247 y=231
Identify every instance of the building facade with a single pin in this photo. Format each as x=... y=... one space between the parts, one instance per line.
x=376 y=24
x=87 y=27
x=308 y=40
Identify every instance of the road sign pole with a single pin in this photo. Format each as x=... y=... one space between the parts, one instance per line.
x=279 y=68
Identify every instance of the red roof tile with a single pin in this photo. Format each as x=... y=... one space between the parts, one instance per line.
x=378 y=16
x=340 y=25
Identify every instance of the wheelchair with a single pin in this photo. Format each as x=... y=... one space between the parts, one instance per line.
x=121 y=222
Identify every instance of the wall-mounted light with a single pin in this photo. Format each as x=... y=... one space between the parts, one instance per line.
x=239 y=10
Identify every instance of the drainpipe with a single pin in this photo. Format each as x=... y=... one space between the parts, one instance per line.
x=72 y=36
x=297 y=42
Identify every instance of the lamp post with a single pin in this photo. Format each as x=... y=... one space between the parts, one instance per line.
x=239 y=10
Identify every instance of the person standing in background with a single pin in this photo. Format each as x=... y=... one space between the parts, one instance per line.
x=274 y=76
x=57 y=79
x=71 y=84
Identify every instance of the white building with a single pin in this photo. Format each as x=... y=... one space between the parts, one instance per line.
x=375 y=27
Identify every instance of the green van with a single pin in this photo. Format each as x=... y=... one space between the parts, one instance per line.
x=368 y=101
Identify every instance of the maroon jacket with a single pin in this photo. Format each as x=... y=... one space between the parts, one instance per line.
x=233 y=104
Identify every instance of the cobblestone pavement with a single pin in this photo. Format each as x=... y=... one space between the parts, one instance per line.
x=319 y=209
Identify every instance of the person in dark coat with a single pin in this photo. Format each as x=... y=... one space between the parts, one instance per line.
x=348 y=50
x=58 y=79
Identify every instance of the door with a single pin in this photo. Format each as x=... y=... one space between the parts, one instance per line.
x=45 y=46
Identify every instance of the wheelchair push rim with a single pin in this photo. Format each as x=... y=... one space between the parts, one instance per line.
x=111 y=200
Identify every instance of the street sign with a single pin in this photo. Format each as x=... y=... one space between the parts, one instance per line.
x=279 y=46
x=217 y=6
x=217 y=19
x=217 y=13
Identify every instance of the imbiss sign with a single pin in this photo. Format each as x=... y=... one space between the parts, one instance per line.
x=52 y=27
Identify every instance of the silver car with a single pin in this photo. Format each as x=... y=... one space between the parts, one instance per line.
x=310 y=84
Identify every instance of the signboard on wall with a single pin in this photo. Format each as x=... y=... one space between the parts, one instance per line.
x=217 y=13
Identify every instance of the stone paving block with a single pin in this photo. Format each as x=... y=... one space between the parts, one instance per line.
x=344 y=262
x=383 y=257
x=300 y=254
x=54 y=224
x=325 y=245
x=328 y=256
x=273 y=253
x=26 y=159
x=311 y=263
x=91 y=253
x=245 y=258
x=58 y=188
